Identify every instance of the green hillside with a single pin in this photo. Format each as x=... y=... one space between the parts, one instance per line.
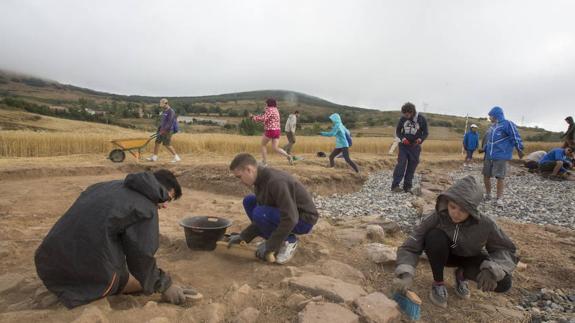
x=47 y=97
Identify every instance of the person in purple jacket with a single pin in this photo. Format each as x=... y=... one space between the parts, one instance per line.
x=168 y=126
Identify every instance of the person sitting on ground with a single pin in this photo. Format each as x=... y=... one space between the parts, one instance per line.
x=557 y=161
x=105 y=243
x=271 y=121
x=501 y=138
x=412 y=129
x=168 y=127
x=340 y=132
x=458 y=235
x=569 y=135
x=280 y=209
x=470 y=143
x=532 y=160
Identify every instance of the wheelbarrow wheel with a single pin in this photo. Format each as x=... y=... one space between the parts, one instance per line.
x=117 y=155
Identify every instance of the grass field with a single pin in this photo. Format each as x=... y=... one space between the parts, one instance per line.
x=42 y=144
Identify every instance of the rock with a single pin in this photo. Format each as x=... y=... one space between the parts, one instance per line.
x=351 y=237
x=391 y=228
x=294 y=300
x=212 y=313
x=159 y=319
x=377 y=308
x=342 y=271
x=151 y=304
x=237 y=297
x=381 y=254
x=324 y=252
x=10 y=281
x=245 y=289
x=248 y=315
x=48 y=301
x=292 y=271
x=418 y=204
x=331 y=288
x=326 y=313
x=375 y=233
x=515 y=314
x=92 y=314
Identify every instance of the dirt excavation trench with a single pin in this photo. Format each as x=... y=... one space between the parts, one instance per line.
x=333 y=276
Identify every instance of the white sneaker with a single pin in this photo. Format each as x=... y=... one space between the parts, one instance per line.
x=153 y=158
x=499 y=202
x=176 y=159
x=286 y=252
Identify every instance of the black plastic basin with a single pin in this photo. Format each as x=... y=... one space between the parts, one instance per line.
x=202 y=232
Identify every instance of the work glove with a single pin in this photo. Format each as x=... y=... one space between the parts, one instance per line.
x=402 y=283
x=486 y=280
x=480 y=150
x=174 y=295
x=418 y=141
x=234 y=239
x=520 y=154
x=405 y=141
x=261 y=251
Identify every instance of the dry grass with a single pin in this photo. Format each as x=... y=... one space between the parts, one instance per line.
x=39 y=144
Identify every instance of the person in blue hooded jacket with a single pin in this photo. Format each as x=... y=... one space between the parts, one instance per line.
x=340 y=132
x=470 y=142
x=500 y=140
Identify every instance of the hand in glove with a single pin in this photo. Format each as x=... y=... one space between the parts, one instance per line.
x=174 y=294
x=402 y=282
x=261 y=251
x=486 y=280
x=234 y=239
x=405 y=141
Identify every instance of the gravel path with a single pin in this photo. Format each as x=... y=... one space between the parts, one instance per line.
x=528 y=198
x=375 y=198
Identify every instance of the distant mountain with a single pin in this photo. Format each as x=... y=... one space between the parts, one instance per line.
x=44 y=96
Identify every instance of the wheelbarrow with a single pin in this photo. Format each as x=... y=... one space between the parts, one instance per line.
x=134 y=146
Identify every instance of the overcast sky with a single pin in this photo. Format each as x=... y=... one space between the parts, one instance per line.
x=454 y=57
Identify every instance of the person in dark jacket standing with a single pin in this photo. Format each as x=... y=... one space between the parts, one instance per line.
x=105 y=243
x=458 y=235
x=168 y=126
x=498 y=145
x=470 y=142
x=569 y=135
x=412 y=130
x=280 y=209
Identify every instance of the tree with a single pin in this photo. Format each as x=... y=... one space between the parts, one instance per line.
x=250 y=128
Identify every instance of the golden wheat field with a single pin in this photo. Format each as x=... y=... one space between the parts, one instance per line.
x=42 y=144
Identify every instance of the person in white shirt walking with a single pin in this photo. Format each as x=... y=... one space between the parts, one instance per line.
x=290 y=127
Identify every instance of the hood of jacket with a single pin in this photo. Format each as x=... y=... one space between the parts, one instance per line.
x=335 y=118
x=466 y=192
x=569 y=120
x=147 y=185
x=497 y=113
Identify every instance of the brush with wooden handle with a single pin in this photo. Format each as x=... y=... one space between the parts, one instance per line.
x=244 y=247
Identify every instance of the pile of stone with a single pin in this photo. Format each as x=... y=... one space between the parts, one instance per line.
x=548 y=305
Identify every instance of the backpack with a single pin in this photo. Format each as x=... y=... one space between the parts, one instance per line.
x=175 y=126
x=348 y=138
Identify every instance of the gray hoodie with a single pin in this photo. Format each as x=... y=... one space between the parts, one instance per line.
x=479 y=234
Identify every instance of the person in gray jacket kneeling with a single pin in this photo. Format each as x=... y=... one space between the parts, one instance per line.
x=457 y=235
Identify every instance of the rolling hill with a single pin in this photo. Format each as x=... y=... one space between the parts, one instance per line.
x=47 y=97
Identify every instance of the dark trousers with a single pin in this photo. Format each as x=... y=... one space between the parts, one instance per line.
x=345 y=152
x=407 y=162
x=469 y=154
x=267 y=219
x=291 y=142
x=438 y=250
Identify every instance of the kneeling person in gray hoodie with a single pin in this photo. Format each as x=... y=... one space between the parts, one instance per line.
x=457 y=235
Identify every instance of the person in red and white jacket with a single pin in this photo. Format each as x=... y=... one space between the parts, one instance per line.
x=272 y=130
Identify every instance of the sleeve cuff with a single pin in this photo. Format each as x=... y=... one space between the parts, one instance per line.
x=495 y=269
x=405 y=268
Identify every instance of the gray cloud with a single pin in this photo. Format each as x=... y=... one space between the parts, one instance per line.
x=457 y=57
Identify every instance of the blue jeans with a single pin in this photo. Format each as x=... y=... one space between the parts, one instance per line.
x=267 y=219
x=407 y=162
x=469 y=154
